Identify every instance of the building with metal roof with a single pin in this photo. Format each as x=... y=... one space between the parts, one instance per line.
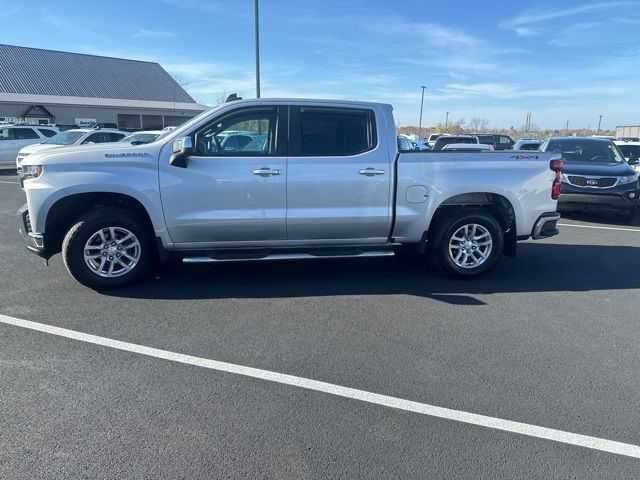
x=52 y=87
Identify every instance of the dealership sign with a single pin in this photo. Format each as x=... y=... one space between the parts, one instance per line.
x=86 y=122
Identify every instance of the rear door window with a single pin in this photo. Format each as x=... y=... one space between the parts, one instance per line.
x=6 y=134
x=332 y=131
x=100 y=137
x=114 y=137
x=24 y=134
x=530 y=146
x=46 y=132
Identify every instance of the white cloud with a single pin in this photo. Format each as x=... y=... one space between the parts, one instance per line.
x=144 y=33
x=575 y=34
x=526 y=31
x=535 y=16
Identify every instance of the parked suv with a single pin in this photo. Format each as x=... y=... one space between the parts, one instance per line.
x=446 y=140
x=527 y=144
x=595 y=176
x=499 y=142
x=15 y=137
x=631 y=153
x=431 y=141
x=79 y=136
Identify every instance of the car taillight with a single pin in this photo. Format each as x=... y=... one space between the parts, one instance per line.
x=556 y=166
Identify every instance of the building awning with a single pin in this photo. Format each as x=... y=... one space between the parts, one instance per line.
x=37 y=111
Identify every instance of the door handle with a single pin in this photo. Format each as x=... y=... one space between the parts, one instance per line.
x=369 y=172
x=266 y=172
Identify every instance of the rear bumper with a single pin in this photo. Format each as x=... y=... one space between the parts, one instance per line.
x=545 y=226
x=32 y=241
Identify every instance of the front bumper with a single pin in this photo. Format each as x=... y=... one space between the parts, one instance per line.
x=616 y=198
x=32 y=241
x=545 y=226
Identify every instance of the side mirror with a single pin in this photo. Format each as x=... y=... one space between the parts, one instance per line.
x=634 y=160
x=181 y=149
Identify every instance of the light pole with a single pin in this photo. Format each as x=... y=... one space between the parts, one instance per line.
x=566 y=132
x=421 y=105
x=446 y=121
x=599 y=122
x=257 y=35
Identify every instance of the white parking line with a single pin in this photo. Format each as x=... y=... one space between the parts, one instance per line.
x=12 y=183
x=332 y=389
x=599 y=228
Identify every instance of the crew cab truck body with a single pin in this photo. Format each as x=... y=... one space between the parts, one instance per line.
x=319 y=179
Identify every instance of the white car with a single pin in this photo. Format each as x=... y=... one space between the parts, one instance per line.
x=78 y=136
x=15 y=137
x=467 y=147
x=142 y=137
x=631 y=153
x=431 y=141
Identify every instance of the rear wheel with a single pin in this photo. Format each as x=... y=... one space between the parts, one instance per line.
x=107 y=248
x=466 y=243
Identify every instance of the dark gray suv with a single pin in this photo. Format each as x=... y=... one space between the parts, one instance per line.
x=498 y=141
x=595 y=176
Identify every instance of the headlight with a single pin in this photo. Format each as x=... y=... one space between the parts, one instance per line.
x=628 y=179
x=31 y=171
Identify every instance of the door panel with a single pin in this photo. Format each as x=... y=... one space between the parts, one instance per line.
x=226 y=195
x=337 y=193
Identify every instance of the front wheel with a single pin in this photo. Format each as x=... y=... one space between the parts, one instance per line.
x=107 y=248
x=466 y=244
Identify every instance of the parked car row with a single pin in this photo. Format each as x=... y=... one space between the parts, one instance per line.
x=437 y=141
x=19 y=141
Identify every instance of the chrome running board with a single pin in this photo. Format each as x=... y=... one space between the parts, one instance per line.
x=288 y=256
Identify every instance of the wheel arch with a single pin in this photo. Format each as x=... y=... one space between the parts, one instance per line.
x=497 y=204
x=65 y=211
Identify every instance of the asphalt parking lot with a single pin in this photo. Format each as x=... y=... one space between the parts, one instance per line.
x=549 y=339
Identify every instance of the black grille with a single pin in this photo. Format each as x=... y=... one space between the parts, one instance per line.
x=592 y=182
x=27 y=223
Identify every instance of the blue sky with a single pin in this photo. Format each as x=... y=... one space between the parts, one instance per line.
x=560 y=60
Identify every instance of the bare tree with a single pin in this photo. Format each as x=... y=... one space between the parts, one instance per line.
x=221 y=98
x=478 y=124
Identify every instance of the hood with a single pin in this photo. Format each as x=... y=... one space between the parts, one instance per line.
x=97 y=152
x=39 y=147
x=597 y=169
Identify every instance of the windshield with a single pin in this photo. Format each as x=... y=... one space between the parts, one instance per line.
x=583 y=150
x=630 y=150
x=140 y=138
x=65 y=138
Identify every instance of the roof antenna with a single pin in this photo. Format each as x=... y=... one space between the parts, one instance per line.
x=232 y=98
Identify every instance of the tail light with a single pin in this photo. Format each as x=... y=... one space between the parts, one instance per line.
x=556 y=166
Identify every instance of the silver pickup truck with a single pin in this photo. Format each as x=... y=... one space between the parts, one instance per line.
x=276 y=179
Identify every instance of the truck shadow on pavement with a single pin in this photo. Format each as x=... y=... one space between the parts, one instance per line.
x=539 y=268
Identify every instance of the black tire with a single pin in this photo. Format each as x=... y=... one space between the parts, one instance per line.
x=627 y=216
x=448 y=225
x=84 y=229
